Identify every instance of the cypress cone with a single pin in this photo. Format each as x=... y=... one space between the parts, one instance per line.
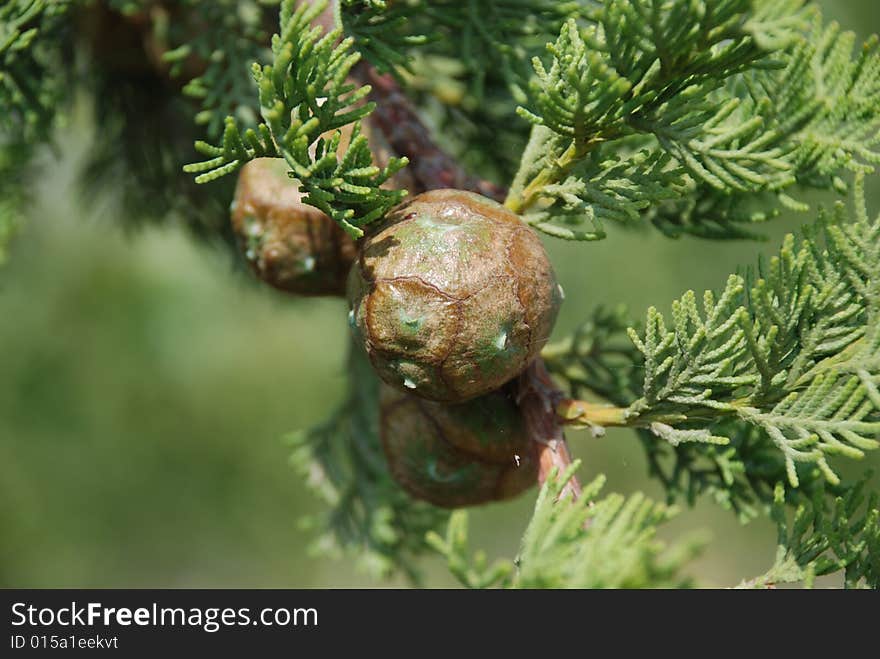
x=452 y=296
x=288 y=244
x=455 y=455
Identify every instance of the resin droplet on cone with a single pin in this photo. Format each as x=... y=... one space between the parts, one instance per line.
x=455 y=455
x=452 y=296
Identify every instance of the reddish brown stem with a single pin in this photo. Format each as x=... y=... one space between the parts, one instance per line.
x=327 y=18
x=538 y=398
x=430 y=167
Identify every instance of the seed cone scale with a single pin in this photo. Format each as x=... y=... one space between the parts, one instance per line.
x=288 y=244
x=452 y=296
x=455 y=455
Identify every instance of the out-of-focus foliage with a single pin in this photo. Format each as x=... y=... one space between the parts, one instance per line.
x=382 y=31
x=369 y=518
x=304 y=94
x=219 y=41
x=147 y=65
x=207 y=46
x=484 y=36
x=12 y=193
x=599 y=358
x=32 y=84
x=147 y=132
x=31 y=66
x=467 y=65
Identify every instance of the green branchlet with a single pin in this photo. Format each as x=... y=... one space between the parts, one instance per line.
x=792 y=352
x=825 y=535
x=699 y=116
x=222 y=56
x=763 y=383
x=820 y=110
x=304 y=94
x=31 y=75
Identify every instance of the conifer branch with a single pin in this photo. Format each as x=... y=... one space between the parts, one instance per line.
x=794 y=351
x=825 y=535
x=304 y=94
x=701 y=117
x=821 y=108
x=779 y=371
x=704 y=118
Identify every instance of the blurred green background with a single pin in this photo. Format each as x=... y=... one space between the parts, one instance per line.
x=145 y=386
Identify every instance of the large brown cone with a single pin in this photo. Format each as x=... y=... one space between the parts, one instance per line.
x=452 y=296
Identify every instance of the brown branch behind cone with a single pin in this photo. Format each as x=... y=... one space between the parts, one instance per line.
x=430 y=167
x=538 y=397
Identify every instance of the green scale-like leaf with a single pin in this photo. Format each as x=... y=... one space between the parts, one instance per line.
x=702 y=117
x=796 y=353
x=768 y=380
x=304 y=94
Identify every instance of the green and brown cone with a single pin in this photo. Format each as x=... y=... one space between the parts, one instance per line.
x=288 y=244
x=452 y=296
x=455 y=455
